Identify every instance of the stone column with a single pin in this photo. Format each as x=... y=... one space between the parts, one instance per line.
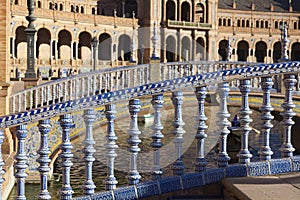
x=177 y=99
x=223 y=123
x=157 y=103
x=44 y=160
x=287 y=148
x=133 y=140
x=111 y=146
x=245 y=112
x=265 y=152
x=21 y=161
x=66 y=155
x=88 y=150
x=200 y=162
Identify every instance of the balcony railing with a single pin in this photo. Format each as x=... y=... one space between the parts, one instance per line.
x=192 y=25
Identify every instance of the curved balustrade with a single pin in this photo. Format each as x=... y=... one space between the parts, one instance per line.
x=88 y=91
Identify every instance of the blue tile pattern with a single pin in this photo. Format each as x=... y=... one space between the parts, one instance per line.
x=236 y=170
x=280 y=166
x=125 y=193
x=102 y=196
x=147 y=189
x=258 y=169
x=192 y=180
x=296 y=163
x=170 y=184
x=82 y=198
x=214 y=175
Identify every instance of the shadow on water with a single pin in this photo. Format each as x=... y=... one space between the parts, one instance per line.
x=145 y=156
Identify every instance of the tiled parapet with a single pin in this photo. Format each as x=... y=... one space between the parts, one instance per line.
x=278 y=166
x=258 y=168
x=295 y=163
x=236 y=170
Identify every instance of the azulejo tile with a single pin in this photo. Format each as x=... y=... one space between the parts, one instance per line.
x=258 y=168
x=125 y=193
x=278 y=166
x=236 y=170
x=108 y=195
x=296 y=163
x=192 y=180
x=147 y=189
x=213 y=175
x=170 y=184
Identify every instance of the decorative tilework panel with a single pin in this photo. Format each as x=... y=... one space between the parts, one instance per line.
x=236 y=170
x=214 y=175
x=170 y=184
x=296 y=163
x=125 y=193
x=278 y=166
x=147 y=189
x=192 y=180
x=258 y=168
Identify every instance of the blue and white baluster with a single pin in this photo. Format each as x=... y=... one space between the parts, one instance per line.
x=111 y=146
x=201 y=135
x=244 y=155
x=223 y=123
x=265 y=151
x=21 y=159
x=133 y=140
x=177 y=99
x=88 y=150
x=66 y=155
x=44 y=160
x=157 y=103
x=287 y=148
x=1 y=161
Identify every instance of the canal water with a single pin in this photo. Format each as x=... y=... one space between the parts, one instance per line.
x=145 y=157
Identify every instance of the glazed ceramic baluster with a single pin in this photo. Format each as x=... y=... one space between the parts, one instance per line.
x=111 y=146
x=287 y=148
x=265 y=152
x=44 y=160
x=223 y=123
x=244 y=155
x=157 y=103
x=88 y=150
x=1 y=161
x=66 y=155
x=177 y=99
x=21 y=161
x=200 y=162
x=133 y=140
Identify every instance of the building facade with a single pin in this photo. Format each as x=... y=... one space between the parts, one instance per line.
x=186 y=30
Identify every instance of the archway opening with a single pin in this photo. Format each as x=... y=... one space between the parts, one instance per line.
x=185 y=11
x=124 y=48
x=277 y=52
x=222 y=49
x=105 y=42
x=260 y=51
x=295 y=51
x=243 y=51
x=171 y=49
x=170 y=8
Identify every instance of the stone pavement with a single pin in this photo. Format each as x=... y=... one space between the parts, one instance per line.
x=283 y=187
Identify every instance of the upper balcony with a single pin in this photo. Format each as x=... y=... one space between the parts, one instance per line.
x=188 y=25
x=57 y=15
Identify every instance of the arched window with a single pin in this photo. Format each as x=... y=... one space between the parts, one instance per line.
x=185 y=11
x=224 y=22
x=72 y=8
x=61 y=7
x=257 y=24
x=295 y=25
x=93 y=11
x=220 y=22
x=81 y=9
x=276 y=24
x=170 y=10
x=247 y=23
x=200 y=12
x=50 y=6
x=238 y=23
x=39 y=5
x=261 y=24
x=16 y=2
x=266 y=24
x=243 y=23
x=228 y=22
